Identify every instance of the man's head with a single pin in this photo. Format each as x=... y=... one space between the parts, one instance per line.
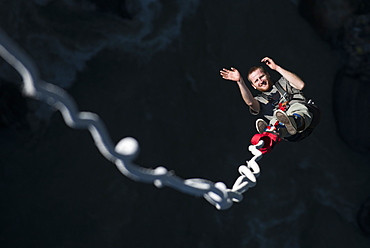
x=260 y=79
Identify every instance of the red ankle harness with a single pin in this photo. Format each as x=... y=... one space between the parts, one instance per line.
x=269 y=137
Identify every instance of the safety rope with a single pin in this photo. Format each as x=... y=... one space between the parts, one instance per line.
x=123 y=154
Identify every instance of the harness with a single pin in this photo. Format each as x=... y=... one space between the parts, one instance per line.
x=284 y=105
x=285 y=95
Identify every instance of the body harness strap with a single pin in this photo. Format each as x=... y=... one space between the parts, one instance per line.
x=285 y=95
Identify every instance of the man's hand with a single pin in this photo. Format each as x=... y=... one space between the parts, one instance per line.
x=232 y=74
x=270 y=63
x=293 y=79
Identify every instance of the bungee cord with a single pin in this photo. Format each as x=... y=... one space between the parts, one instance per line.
x=127 y=149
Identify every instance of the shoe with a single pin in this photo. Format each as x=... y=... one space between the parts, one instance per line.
x=288 y=121
x=261 y=125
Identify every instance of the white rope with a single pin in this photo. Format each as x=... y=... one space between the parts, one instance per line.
x=123 y=154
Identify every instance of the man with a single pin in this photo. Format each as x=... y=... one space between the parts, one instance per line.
x=282 y=103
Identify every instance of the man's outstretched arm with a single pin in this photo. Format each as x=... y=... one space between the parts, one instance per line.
x=293 y=79
x=247 y=96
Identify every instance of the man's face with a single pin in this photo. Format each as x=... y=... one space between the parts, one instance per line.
x=260 y=80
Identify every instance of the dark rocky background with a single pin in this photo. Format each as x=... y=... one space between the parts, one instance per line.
x=150 y=69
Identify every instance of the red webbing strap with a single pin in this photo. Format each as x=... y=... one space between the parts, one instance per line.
x=270 y=140
x=283 y=106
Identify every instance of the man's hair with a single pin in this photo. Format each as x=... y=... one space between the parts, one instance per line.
x=255 y=68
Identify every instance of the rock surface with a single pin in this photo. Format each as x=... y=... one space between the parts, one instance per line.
x=154 y=75
x=345 y=25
